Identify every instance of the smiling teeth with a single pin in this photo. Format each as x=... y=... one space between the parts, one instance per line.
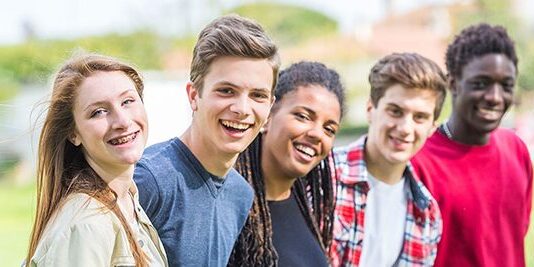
x=486 y=110
x=236 y=125
x=123 y=140
x=306 y=150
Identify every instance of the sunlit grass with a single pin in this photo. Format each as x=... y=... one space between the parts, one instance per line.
x=16 y=213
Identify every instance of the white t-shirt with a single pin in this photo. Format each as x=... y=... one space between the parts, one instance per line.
x=385 y=219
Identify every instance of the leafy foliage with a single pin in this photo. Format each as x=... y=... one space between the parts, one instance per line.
x=35 y=61
x=287 y=23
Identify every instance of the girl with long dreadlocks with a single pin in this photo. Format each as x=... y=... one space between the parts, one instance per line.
x=290 y=222
x=88 y=213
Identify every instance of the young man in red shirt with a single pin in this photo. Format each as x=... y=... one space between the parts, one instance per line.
x=481 y=175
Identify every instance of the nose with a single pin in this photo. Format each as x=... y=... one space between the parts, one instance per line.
x=121 y=119
x=405 y=125
x=241 y=106
x=315 y=133
x=494 y=94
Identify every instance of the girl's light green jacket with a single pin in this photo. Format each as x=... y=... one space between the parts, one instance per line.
x=85 y=233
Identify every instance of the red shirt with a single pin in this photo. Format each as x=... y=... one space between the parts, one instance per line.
x=485 y=196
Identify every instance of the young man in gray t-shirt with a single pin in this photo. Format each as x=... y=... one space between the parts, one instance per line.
x=195 y=199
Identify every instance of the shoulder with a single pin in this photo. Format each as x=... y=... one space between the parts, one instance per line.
x=351 y=152
x=432 y=151
x=160 y=153
x=508 y=136
x=82 y=209
x=81 y=224
x=434 y=143
x=512 y=147
x=508 y=140
x=238 y=183
x=158 y=161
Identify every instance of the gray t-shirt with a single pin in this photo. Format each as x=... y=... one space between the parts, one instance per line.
x=198 y=219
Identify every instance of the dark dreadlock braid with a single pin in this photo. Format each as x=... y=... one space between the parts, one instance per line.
x=314 y=194
x=254 y=246
x=316 y=200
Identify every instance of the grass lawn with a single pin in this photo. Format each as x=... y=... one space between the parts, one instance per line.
x=16 y=214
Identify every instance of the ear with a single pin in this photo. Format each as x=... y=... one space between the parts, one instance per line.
x=434 y=127
x=266 y=125
x=273 y=99
x=74 y=139
x=369 y=110
x=192 y=96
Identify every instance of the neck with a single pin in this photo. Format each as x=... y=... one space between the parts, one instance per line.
x=119 y=179
x=277 y=185
x=381 y=169
x=462 y=133
x=213 y=160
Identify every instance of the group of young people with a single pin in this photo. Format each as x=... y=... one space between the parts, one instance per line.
x=255 y=180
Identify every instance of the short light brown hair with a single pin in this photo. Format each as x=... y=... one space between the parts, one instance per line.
x=231 y=35
x=411 y=71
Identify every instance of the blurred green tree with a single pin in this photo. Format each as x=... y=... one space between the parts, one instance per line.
x=288 y=24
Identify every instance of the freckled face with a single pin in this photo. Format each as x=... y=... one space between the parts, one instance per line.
x=110 y=120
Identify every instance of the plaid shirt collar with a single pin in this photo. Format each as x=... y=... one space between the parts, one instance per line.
x=359 y=175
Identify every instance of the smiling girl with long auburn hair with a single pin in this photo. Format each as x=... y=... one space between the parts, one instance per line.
x=94 y=132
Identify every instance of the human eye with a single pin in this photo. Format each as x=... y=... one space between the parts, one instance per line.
x=422 y=117
x=260 y=95
x=508 y=86
x=128 y=101
x=330 y=131
x=479 y=84
x=225 y=91
x=395 y=112
x=98 y=113
x=302 y=116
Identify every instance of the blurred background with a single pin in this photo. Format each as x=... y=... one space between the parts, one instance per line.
x=158 y=36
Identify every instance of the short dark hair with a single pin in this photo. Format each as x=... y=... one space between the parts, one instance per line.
x=476 y=41
x=411 y=71
x=309 y=73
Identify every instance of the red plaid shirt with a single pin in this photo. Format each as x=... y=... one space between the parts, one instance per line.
x=423 y=219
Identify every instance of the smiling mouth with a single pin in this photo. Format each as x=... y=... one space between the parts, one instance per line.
x=235 y=126
x=400 y=143
x=124 y=139
x=490 y=113
x=306 y=150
